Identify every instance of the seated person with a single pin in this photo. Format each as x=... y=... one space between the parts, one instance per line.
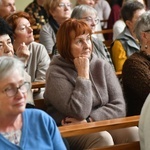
x=58 y=12
x=6 y=49
x=126 y=43
x=35 y=56
x=89 y=15
x=144 y=125
x=92 y=3
x=136 y=69
x=119 y=25
x=20 y=127
x=85 y=87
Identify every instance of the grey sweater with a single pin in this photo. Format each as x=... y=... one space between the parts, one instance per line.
x=68 y=95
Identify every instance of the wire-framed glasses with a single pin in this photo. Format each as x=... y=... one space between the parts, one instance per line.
x=12 y=90
x=91 y=20
x=147 y=30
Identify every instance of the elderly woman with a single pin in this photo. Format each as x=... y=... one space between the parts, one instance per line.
x=58 y=11
x=98 y=27
x=6 y=49
x=89 y=15
x=136 y=69
x=34 y=54
x=85 y=87
x=16 y=121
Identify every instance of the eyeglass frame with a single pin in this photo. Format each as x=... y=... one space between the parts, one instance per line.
x=147 y=30
x=16 y=89
x=90 y=19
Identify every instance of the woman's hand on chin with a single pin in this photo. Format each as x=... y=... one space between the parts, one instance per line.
x=23 y=51
x=82 y=66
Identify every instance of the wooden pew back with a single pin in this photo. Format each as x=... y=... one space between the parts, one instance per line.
x=92 y=127
x=105 y=125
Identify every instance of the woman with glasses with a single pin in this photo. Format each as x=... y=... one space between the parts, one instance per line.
x=20 y=127
x=92 y=3
x=6 y=49
x=89 y=15
x=81 y=88
x=58 y=11
x=136 y=69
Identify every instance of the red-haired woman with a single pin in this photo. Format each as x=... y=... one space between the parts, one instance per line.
x=80 y=87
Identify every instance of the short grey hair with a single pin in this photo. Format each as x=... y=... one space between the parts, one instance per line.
x=79 y=10
x=142 y=24
x=8 y=65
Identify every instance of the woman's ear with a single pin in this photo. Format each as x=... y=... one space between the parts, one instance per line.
x=128 y=23
x=144 y=35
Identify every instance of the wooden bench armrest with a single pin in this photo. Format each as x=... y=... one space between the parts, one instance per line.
x=92 y=127
x=105 y=31
x=38 y=84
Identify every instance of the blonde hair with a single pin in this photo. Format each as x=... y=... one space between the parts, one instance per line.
x=50 y=5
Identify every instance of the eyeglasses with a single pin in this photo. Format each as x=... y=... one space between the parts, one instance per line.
x=147 y=30
x=63 y=5
x=91 y=20
x=12 y=91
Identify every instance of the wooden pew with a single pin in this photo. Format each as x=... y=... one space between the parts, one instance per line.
x=125 y=146
x=92 y=127
x=87 y=128
x=38 y=84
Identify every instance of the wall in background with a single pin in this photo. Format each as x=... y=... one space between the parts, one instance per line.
x=21 y=4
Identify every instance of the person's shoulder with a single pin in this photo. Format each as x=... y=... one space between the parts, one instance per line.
x=104 y=3
x=37 y=48
x=33 y=112
x=96 y=60
x=135 y=59
x=46 y=26
x=94 y=39
x=119 y=24
x=36 y=45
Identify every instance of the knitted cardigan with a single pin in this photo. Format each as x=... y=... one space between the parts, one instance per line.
x=136 y=81
x=68 y=95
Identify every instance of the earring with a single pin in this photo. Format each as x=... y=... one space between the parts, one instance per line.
x=146 y=47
